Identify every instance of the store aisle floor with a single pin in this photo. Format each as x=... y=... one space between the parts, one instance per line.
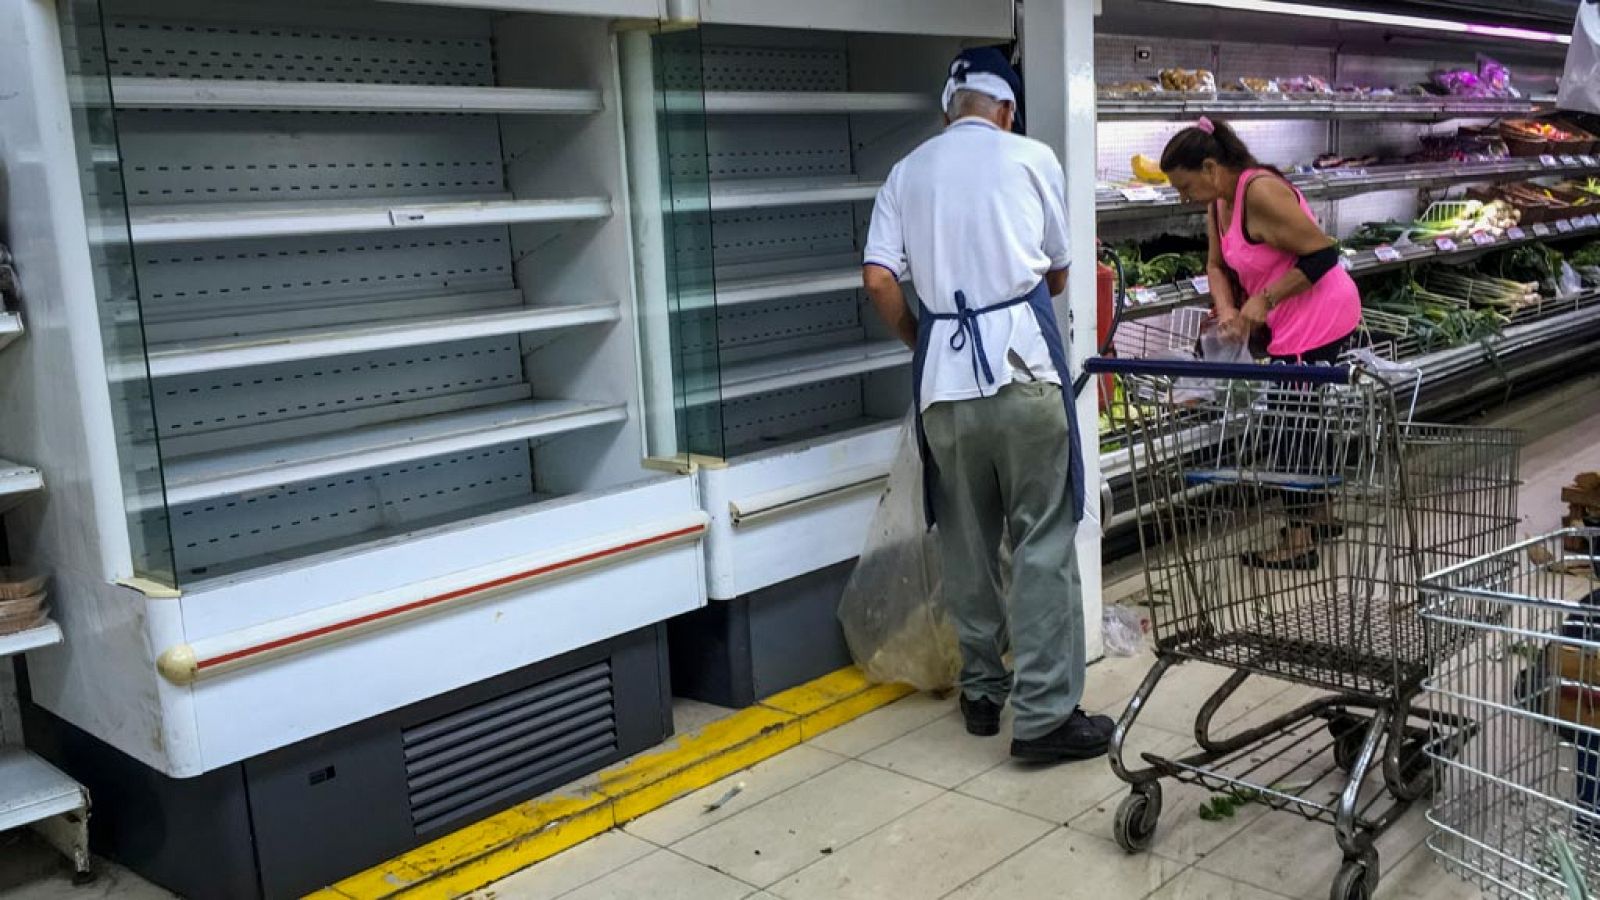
x=903 y=804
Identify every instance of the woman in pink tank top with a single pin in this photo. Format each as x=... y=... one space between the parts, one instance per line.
x=1264 y=240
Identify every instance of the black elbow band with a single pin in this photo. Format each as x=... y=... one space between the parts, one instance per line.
x=1315 y=265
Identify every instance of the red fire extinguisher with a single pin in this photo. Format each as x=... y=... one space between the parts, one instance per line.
x=1110 y=287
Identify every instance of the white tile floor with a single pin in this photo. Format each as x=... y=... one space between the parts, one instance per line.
x=903 y=804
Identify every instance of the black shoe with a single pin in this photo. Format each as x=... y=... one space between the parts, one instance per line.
x=1299 y=562
x=1079 y=737
x=982 y=715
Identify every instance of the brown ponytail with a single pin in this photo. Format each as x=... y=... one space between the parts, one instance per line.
x=1191 y=147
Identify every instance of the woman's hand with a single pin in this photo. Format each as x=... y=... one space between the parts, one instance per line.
x=1251 y=316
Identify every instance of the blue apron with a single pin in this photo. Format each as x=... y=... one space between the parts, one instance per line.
x=969 y=337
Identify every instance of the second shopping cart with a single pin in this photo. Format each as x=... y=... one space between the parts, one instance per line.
x=1286 y=515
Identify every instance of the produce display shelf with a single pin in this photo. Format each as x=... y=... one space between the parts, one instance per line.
x=176 y=224
x=34 y=790
x=775 y=373
x=17 y=482
x=767 y=193
x=815 y=102
x=299 y=96
x=755 y=289
x=1112 y=205
x=1154 y=301
x=10 y=328
x=267 y=348
x=206 y=476
x=1127 y=107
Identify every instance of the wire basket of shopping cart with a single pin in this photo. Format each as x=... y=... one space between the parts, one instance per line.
x=1517 y=806
x=1286 y=514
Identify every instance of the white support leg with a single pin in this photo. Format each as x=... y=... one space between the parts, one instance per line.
x=1058 y=70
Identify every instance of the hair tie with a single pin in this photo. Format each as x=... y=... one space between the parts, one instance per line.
x=1204 y=124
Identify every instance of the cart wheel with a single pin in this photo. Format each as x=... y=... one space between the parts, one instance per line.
x=1347 y=748
x=1137 y=816
x=1357 y=879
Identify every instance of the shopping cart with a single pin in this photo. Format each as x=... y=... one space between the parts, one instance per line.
x=1517 y=807
x=1230 y=457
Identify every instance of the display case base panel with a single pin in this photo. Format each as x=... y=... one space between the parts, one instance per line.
x=291 y=821
x=737 y=652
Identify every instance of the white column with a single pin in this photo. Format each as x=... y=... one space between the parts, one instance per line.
x=1058 y=71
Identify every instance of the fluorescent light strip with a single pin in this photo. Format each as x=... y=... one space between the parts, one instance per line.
x=1278 y=7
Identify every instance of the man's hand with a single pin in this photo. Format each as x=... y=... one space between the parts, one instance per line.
x=890 y=302
x=1251 y=316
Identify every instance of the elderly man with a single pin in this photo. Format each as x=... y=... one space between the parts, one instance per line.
x=977 y=217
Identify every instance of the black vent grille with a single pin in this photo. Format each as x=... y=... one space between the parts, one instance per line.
x=509 y=748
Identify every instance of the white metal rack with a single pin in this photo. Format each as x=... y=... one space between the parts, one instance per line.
x=10 y=328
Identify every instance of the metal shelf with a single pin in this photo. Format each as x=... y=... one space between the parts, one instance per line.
x=775 y=373
x=17 y=482
x=34 y=790
x=162 y=225
x=212 y=93
x=220 y=474
x=737 y=291
x=45 y=635
x=10 y=328
x=267 y=348
x=1112 y=206
x=1113 y=108
x=1169 y=297
x=766 y=193
x=815 y=102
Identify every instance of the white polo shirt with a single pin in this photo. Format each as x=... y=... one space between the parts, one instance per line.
x=982 y=211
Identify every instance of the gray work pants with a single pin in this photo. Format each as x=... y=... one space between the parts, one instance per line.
x=1003 y=462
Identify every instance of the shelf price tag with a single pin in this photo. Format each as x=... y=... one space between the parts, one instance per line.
x=1386 y=253
x=1140 y=194
x=1548 y=160
x=1541 y=229
x=1346 y=263
x=1482 y=238
x=1564 y=226
x=1445 y=245
x=1201 y=284
x=1589 y=221
x=401 y=218
x=1569 y=160
x=1143 y=296
x=1588 y=160
x=1516 y=234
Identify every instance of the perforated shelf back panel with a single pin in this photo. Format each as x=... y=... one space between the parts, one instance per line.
x=217 y=537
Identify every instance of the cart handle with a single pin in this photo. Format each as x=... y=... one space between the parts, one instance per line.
x=1281 y=373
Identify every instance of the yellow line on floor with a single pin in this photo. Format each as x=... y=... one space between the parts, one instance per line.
x=493 y=848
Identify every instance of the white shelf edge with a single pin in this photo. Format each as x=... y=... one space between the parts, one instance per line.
x=210 y=93
x=177 y=225
x=318 y=343
x=16 y=482
x=814 y=102
x=770 y=193
x=762 y=376
x=34 y=790
x=226 y=473
x=10 y=328
x=45 y=635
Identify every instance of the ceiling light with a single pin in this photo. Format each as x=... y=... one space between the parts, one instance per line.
x=1278 y=7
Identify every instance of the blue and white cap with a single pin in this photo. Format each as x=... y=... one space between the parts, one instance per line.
x=986 y=71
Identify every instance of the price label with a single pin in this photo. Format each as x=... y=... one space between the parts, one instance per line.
x=1445 y=245
x=1564 y=226
x=1516 y=234
x=1140 y=194
x=404 y=218
x=1201 y=284
x=1541 y=229
x=1386 y=253
x=1143 y=295
x=1588 y=160
x=1482 y=238
x=1589 y=221
x=1569 y=160
x=1548 y=160
x=1346 y=263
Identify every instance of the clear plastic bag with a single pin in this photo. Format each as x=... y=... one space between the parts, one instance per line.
x=1123 y=630
x=1218 y=347
x=893 y=617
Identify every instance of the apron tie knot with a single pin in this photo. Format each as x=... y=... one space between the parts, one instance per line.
x=967 y=330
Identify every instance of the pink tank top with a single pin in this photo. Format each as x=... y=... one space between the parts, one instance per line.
x=1330 y=310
